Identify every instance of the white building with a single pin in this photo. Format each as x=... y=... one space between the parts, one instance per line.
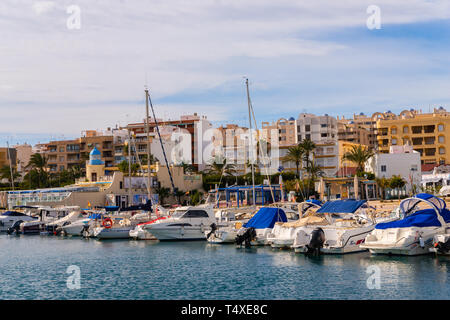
x=322 y=130
x=401 y=160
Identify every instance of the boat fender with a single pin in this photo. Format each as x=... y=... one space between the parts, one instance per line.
x=107 y=223
x=421 y=242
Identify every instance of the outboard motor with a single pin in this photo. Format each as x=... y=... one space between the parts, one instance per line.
x=213 y=229
x=15 y=228
x=246 y=237
x=316 y=242
x=85 y=231
x=443 y=247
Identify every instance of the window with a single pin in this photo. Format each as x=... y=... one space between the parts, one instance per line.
x=441 y=150
x=405 y=129
x=61 y=149
x=441 y=139
x=323 y=125
x=383 y=168
x=440 y=127
x=394 y=131
x=195 y=214
x=324 y=135
x=61 y=159
x=394 y=141
x=414 y=167
x=307 y=127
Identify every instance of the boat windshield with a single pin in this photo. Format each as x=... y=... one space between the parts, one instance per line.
x=178 y=213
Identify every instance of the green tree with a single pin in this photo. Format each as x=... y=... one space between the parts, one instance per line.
x=218 y=167
x=195 y=197
x=39 y=163
x=397 y=182
x=123 y=167
x=308 y=147
x=295 y=154
x=162 y=193
x=383 y=184
x=5 y=173
x=359 y=156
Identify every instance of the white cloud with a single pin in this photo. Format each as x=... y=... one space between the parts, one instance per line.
x=185 y=47
x=41 y=7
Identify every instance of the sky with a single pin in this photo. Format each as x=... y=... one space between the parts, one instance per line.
x=60 y=75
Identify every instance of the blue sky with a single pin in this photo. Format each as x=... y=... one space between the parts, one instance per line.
x=314 y=56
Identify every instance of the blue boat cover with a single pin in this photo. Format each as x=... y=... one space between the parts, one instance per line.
x=266 y=218
x=314 y=201
x=421 y=218
x=12 y=214
x=341 y=206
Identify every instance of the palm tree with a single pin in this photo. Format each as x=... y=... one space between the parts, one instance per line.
x=308 y=147
x=162 y=193
x=314 y=171
x=187 y=168
x=295 y=154
x=383 y=184
x=38 y=162
x=359 y=156
x=397 y=182
x=218 y=168
x=5 y=173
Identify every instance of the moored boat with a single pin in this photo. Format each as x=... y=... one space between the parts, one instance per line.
x=424 y=217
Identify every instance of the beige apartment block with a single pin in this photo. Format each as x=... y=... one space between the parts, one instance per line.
x=427 y=133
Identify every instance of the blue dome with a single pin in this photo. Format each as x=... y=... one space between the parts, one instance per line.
x=291 y=118
x=95 y=152
x=95 y=157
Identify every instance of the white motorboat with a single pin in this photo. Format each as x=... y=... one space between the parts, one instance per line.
x=45 y=215
x=283 y=234
x=343 y=227
x=54 y=227
x=81 y=226
x=424 y=217
x=186 y=223
x=118 y=227
x=9 y=218
x=258 y=228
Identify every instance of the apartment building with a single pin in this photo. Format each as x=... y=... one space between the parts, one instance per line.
x=322 y=130
x=287 y=131
x=194 y=125
x=62 y=155
x=8 y=156
x=24 y=153
x=359 y=129
x=427 y=133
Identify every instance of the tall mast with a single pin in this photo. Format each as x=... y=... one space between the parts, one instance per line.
x=251 y=139
x=129 y=169
x=10 y=165
x=147 y=129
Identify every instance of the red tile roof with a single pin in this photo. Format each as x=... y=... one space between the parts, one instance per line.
x=426 y=167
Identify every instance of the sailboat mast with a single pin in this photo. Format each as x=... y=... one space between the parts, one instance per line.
x=10 y=165
x=251 y=140
x=147 y=129
x=129 y=168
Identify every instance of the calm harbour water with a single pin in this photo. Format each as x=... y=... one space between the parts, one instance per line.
x=34 y=267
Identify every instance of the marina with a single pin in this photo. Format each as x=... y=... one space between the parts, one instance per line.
x=34 y=267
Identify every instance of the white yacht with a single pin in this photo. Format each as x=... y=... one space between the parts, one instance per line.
x=119 y=226
x=9 y=218
x=424 y=217
x=283 y=234
x=343 y=226
x=186 y=223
